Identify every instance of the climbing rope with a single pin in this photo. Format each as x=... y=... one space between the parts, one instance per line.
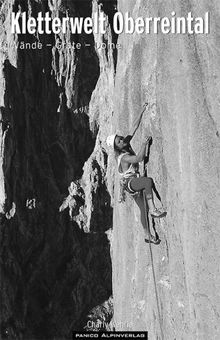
x=153 y=271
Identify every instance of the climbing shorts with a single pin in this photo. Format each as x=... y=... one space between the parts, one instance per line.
x=127 y=184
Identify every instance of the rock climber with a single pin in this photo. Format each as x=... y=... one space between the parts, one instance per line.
x=128 y=166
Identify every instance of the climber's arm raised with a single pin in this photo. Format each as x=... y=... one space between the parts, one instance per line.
x=140 y=156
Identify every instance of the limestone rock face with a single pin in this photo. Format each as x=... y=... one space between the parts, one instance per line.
x=179 y=76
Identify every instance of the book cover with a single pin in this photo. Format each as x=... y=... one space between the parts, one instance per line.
x=109 y=169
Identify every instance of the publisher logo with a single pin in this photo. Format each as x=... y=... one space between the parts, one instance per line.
x=110 y=335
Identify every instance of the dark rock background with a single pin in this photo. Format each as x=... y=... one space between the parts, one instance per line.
x=52 y=272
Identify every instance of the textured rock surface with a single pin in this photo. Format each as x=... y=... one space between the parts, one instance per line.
x=180 y=77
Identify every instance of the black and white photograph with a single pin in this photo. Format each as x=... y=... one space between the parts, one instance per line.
x=109 y=169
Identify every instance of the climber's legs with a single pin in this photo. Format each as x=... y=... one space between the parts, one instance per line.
x=140 y=183
x=146 y=184
x=145 y=223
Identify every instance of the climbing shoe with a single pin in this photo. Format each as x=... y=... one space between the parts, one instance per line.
x=152 y=239
x=156 y=213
